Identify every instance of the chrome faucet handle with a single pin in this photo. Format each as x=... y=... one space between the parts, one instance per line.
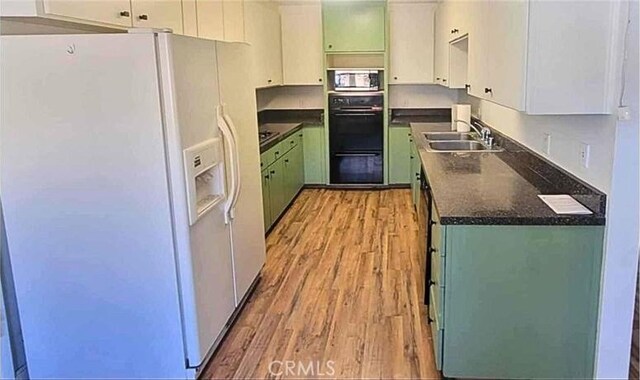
x=490 y=142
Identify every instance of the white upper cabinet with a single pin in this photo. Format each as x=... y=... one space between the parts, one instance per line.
x=505 y=53
x=262 y=27
x=442 y=37
x=116 y=12
x=210 y=19
x=412 y=42
x=301 y=44
x=541 y=57
x=157 y=14
x=233 y=11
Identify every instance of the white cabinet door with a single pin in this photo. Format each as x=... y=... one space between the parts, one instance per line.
x=412 y=40
x=507 y=24
x=263 y=33
x=459 y=18
x=117 y=12
x=442 y=30
x=233 y=11
x=301 y=44
x=210 y=19
x=478 y=58
x=157 y=14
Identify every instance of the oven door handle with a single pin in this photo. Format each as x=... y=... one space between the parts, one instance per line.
x=354 y=114
x=357 y=154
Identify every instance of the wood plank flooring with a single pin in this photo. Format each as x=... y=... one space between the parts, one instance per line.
x=340 y=284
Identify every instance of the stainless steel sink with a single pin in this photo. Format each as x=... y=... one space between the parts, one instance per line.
x=448 y=136
x=460 y=146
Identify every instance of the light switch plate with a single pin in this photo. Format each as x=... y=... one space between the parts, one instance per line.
x=585 y=152
x=546 y=143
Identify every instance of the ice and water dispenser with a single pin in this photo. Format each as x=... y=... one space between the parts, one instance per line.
x=204 y=171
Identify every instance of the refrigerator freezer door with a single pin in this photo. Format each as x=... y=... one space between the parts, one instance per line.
x=190 y=97
x=235 y=72
x=86 y=204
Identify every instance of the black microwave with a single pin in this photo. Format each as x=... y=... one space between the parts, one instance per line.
x=356 y=80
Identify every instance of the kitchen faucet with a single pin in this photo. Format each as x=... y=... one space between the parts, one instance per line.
x=484 y=133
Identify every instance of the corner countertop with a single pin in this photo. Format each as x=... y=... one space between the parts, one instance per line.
x=283 y=131
x=500 y=188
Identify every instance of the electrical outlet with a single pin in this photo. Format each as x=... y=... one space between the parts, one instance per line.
x=585 y=152
x=546 y=143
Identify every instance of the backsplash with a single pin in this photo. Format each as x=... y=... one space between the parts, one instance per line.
x=422 y=96
x=290 y=97
x=568 y=133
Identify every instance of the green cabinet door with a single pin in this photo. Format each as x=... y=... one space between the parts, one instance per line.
x=357 y=26
x=266 y=203
x=289 y=176
x=277 y=188
x=415 y=174
x=399 y=155
x=298 y=158
x=314 y=154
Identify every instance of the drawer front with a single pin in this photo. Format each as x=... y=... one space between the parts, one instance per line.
x=437 y=334
x=290 y=142
x=277 y=151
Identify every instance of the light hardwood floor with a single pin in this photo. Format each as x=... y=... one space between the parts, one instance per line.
x=340 y=284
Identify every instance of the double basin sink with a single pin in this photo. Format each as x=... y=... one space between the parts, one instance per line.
x=448 y=142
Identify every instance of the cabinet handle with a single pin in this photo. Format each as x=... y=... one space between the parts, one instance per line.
x=273 y=172
x=488 y=90
x=438 y=78
x=292 y=142
x=268 y=80
x=432 y=250
x=454 y=31
x=431 y=282
x=396 y=78
x=143 y=17
x=467 y=86
x=433 y=222
x=319 y=79
x=412 y=157
x=125 y=14
x=429 y=320
x=444 y=80
x=277 y=152
x=330 y=46
x=266 y=177
x=286 y=161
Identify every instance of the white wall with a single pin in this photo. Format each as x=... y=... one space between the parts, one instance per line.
x=623 y=223
x=567 y=134
x=421 y=96
x=290 y=97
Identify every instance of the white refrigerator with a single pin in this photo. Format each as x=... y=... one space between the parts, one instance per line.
x=130 y=181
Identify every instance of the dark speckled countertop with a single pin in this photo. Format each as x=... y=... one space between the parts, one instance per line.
x=283 y=131
x=501 y=188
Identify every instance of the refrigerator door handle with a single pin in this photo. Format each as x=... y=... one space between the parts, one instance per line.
x=230 y=144
x=238 y=177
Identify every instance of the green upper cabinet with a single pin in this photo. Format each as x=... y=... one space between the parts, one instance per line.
x=354 y=26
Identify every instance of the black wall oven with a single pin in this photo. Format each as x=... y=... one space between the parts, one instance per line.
x=356 y=138
x=424 y=240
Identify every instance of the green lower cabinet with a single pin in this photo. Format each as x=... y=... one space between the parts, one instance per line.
x=400 y=155
x=266 y=202
x=415 y=165
x=283 y=178
x=314 y=154
x=357 y=26
x=517 y=301
x=277 y=189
